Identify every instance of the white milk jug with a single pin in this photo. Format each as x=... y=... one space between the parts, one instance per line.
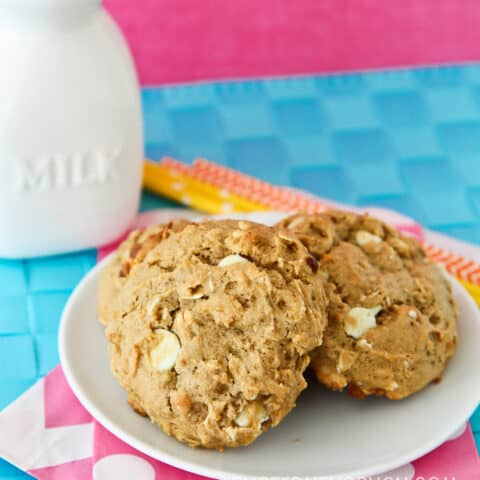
x=71 y=144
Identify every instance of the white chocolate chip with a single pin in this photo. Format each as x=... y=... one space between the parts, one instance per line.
x=359 y=320
x=243 y=420
x=362 y=343
x=164 y=355
x=231 y=260
x=363 y=237
x=254 y=414
x=412 y=314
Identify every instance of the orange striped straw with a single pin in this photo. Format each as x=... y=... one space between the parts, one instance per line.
x=276 y=198
x=459 y=266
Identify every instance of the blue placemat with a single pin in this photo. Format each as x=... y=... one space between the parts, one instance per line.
x=407 y=140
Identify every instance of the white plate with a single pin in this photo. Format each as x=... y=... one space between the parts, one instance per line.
x=327 y=435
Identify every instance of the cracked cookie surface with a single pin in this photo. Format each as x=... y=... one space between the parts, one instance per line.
x=213 y=329
x=392 y=318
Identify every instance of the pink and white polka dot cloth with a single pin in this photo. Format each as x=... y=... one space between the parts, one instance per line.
x=48 y=433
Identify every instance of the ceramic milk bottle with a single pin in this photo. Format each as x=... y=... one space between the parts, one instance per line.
x=71 y=143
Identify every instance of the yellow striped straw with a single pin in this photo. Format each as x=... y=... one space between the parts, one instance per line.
x=192 y=192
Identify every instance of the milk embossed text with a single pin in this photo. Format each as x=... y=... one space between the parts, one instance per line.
x=57 y=171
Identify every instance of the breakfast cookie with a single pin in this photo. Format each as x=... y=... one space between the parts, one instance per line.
x=214 y=329
x=133 y=249
x=392 y=318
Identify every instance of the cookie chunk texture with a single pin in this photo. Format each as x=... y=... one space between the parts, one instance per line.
x=213 y=329
x=392 y=318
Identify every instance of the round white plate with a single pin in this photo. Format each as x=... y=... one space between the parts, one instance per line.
x=328 y=434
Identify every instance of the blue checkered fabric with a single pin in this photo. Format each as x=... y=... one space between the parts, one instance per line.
x=406 y=139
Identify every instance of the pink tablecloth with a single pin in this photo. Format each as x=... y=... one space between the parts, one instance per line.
x=185 y=40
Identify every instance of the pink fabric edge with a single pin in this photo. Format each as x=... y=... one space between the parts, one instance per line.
x=56 y=393
x=76 y=470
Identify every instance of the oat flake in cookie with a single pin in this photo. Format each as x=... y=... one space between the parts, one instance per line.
x=213 y=330
x=392 y=318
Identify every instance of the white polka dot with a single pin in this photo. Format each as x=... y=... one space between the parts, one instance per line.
x=227 y=207
x=402 y=473
x=186 y=200
x=123 y=467
x=457 y=433
x=178 y=186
